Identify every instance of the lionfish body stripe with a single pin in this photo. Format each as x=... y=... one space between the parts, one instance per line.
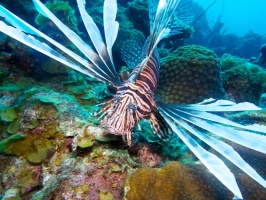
x=135 y=98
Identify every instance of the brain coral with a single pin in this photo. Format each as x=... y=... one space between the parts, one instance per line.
x=190 y=74
x=174 y=181
x=243 y=81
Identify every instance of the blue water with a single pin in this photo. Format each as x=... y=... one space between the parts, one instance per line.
x=239 y=16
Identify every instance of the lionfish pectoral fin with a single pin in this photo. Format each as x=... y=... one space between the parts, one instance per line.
x=102 y=68
x=98 y=67
x=182 y=118
x=159 y=126
x=106 y=108
x=127 y=138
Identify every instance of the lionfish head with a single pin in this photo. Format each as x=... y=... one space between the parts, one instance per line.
x=121 y=117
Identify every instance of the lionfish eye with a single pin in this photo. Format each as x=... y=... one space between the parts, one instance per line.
x=132 y=106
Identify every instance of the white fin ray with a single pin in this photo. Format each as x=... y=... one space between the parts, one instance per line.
x=27 y=28
x=110 y=25
x=159 y=28
x=212 y=162
x=224 y=149
x=251 y=140
x=96 y=38
x=76 y=40
x=153 y=5
x=219 y=119
x=39 y=46
x=220 y=106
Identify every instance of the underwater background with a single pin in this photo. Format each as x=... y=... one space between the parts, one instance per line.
x=50 y=144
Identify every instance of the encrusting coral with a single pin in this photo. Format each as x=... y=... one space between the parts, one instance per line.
x=190 y=74
x=189 y=182
x=174 y=181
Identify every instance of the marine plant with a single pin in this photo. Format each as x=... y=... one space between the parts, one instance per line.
x=134 y=98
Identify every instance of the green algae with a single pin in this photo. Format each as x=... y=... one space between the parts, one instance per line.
x=23 y=82
x=13 y=127
x=63 y=11
x=53 y=67
x=10 y=87
x=8 y=114
x=33 y=124
x=85 y=141
x=4 y=143
x=37 y=157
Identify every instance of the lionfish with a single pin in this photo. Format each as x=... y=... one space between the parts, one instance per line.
x=135 y=97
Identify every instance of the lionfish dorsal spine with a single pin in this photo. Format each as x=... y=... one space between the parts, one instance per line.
x=161 y=12
x=95 y=66
x=19 y=33
x=110 y=25
x=97 y=61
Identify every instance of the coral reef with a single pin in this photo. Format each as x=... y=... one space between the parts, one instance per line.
x=190 y=74
x=48 y=134
x=243 y=81
x=58 y=142
x=262 y=57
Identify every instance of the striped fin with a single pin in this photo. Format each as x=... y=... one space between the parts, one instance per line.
x=226 y=150
x=78 y=42
x=22 y=37
x=214 y=124
x=186 y=115
x=201 y=111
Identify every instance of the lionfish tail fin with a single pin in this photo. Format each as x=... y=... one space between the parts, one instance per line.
x=160 y=13
x=187 y=120
x=97 y=67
